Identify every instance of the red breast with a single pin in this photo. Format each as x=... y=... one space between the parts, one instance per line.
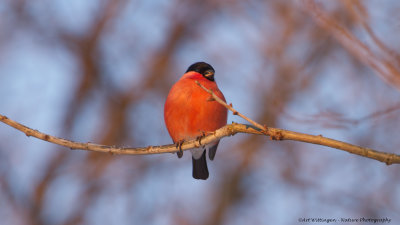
x=189 y=110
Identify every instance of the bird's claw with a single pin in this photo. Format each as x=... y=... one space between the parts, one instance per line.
x=198 y=138
x=179 y=146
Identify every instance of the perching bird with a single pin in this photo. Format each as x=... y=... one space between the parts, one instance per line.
x=190 y=112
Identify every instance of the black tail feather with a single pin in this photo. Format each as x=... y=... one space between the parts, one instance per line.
x=200 y=170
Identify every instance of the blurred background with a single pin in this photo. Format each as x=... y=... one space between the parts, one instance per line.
x=100 y=70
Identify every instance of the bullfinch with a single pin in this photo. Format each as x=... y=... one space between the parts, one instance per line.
x=191 y=112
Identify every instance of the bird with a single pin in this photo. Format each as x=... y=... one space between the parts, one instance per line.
x=191 y=112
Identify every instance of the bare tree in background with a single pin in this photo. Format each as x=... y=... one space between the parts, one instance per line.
x=313 y=66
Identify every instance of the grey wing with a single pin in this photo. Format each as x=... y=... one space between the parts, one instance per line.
x=212 y=150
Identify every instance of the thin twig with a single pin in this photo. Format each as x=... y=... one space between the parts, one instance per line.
x=280 y=134
x=230 y=107
x=386 y=70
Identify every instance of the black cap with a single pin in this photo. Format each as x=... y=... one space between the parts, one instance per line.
x=204 y=69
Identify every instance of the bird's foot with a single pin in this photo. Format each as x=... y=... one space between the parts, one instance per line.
x=179 y=146
x=201 y=136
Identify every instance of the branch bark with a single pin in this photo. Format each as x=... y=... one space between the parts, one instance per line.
x=228 y=130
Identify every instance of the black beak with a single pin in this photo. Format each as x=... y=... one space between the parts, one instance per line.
x=209 y=74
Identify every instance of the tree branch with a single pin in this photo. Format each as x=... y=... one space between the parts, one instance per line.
x=280 y=134
x=228 y=130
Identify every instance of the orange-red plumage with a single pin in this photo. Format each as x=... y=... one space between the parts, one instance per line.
x=189 y=112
